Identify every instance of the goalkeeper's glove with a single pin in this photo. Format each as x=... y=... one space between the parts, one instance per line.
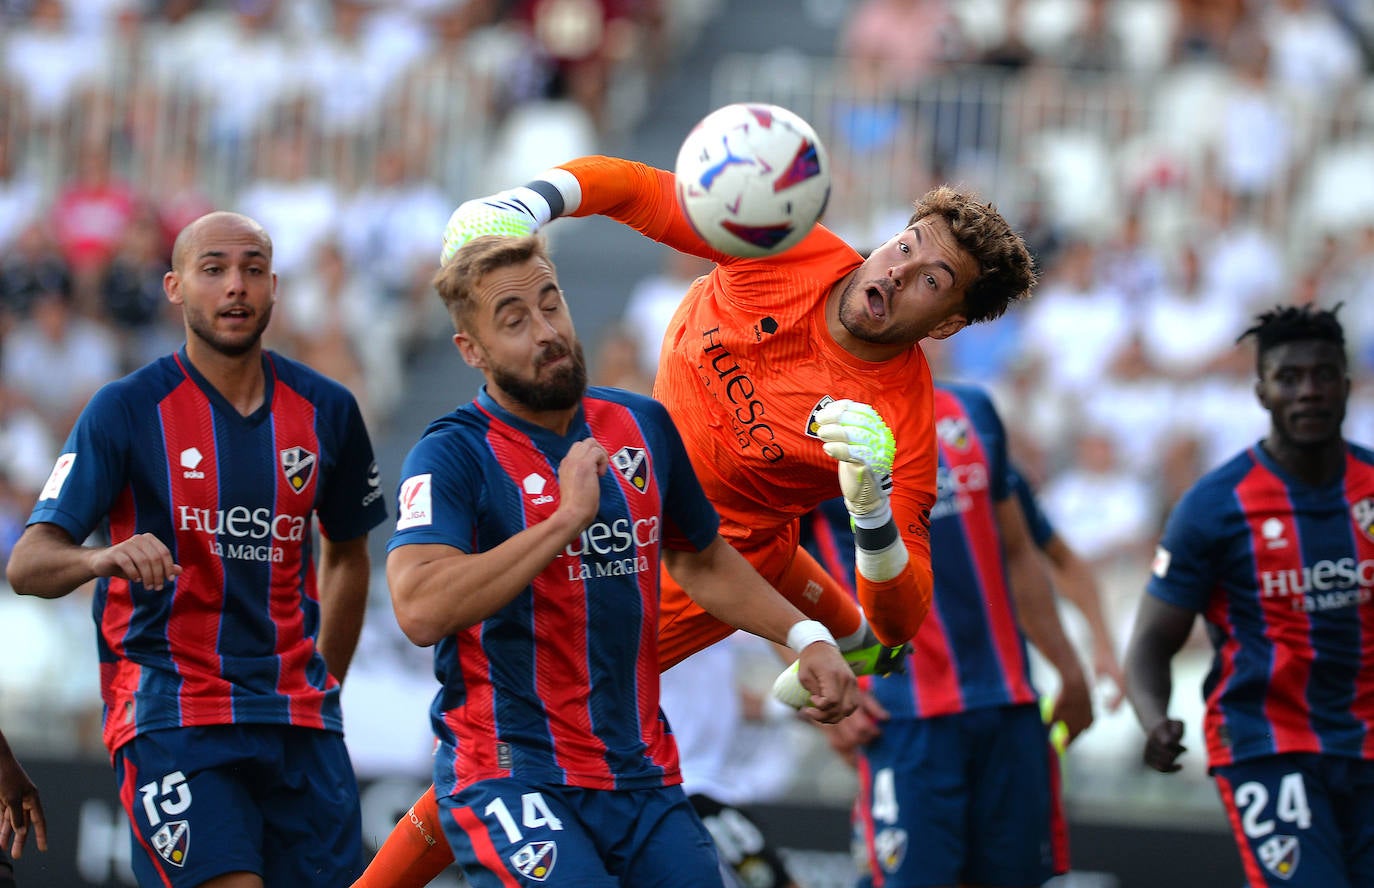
x=856 y=436
x=515 y=212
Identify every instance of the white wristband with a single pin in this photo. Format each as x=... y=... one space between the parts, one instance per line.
x=808 y=632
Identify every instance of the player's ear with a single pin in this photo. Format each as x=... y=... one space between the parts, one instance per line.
x=948 y=327
x=1259 y=394
x=171 y=287
x=472 y=353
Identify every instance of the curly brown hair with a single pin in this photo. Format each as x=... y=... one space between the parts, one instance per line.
x=1006 y=270
x=457 y=280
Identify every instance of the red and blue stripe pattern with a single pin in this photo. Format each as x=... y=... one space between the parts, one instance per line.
x=561 y=684
x=232 y=639
x=1283 y=574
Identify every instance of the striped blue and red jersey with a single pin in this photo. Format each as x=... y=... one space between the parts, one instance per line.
x=970 y=652
x=1282 y=572
x=234 y=497
x=561 y=684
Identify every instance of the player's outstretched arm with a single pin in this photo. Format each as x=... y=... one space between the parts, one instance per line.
x=1038 y=614
x=894 y=596
x=48 y=563
x=1161 y=629
x=720 y=580
x=21 y=811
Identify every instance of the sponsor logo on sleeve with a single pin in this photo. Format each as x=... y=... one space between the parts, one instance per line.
x=60 y=470
x=374 y=485
x=414 y=507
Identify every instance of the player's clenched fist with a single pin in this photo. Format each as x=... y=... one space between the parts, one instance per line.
x=515 y=212
x=856 y=435
x=579 y=480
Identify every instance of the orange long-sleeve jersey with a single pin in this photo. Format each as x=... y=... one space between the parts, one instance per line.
x=747 y=361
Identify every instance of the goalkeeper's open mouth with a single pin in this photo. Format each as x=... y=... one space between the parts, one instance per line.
x=877 y=302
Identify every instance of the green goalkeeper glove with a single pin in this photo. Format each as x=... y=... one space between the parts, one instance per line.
x=856 y=435
x=516 y=212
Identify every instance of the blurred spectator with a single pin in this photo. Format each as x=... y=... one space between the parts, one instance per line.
x=1130 y=261
x=30 y=267
x=1242 y=260
x=27 y=450
x=51 y=61
x=1076 y=323
x=291 y=200
x=1203 y=28
x=1185 y=327
x=1310 y=51
x=88 y=217
x=335 y=322
x=21 y=193
x=1093 y=48
x=1255 y=143
x=388 y=226
x=653 y=301
x=132 y=299
x=1102 y=510
x=895 y=44
x=56 y=359
x=590 y=43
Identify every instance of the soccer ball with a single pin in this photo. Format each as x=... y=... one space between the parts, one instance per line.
x=753 y=179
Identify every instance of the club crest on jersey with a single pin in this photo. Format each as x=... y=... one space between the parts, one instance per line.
x=813 y=428
x=1279 y=854
x=172 y=841
x=890 y=847
x=954 y=431
x=535 y=860
x=298 y=464
x=633 y=465
x=1363 y=513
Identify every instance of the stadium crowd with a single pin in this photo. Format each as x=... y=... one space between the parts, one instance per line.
x=1175 y=165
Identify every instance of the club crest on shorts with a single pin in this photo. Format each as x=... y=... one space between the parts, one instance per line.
x=535 y=860
x=890 y=848
x=1363 y=514
x=813 y=428
x=633 y=465
x=298 y=465
x=172 y=841
x=1279 y=854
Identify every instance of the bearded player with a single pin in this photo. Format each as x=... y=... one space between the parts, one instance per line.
x=778 y=371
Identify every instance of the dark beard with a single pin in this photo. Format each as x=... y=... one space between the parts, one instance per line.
x=559 y=392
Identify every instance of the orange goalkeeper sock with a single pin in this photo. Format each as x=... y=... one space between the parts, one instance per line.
x=414 y=854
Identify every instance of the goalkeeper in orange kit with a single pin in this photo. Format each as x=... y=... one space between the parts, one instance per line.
x=792 y=378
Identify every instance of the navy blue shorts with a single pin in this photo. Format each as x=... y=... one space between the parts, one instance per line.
x=970 y=798
x=1302 y=820
x=506 y=832
x=274 y=800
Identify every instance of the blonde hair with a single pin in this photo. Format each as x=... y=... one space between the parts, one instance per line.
x=456 y=282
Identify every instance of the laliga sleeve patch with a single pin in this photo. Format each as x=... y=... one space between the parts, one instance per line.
x=60 y=470
x=1160 y=565
x=414 y=507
